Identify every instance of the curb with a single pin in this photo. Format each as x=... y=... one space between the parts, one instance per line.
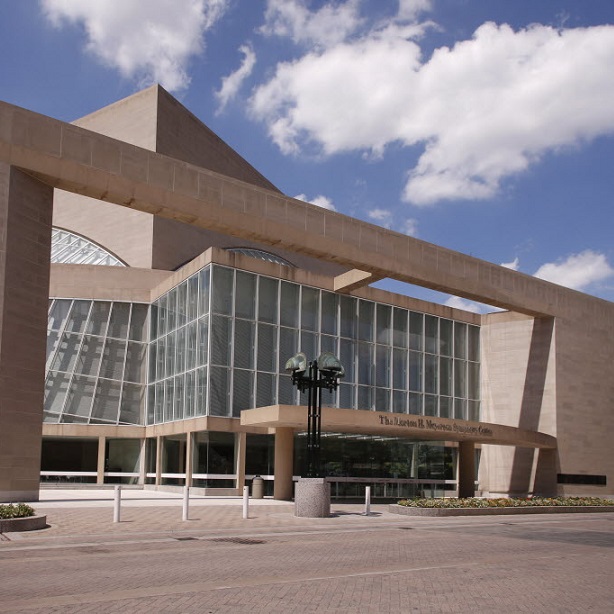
x=497 y=511
x=30 y=523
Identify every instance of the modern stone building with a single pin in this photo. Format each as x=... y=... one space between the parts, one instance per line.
x=173 y=281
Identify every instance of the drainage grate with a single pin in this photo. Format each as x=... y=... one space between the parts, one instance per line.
x=238 y=540
x=185 y=539
x=406 y=528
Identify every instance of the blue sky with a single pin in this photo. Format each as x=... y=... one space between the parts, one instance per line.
x=485 y=127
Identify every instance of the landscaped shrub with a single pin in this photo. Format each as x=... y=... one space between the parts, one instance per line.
x=21 y=510
x=476 y=502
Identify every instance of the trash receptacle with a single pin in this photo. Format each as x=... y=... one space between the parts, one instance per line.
x=257 y=488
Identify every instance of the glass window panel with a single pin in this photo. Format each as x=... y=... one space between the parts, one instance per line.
x=171 y=310
x=382 y=399
x=289 y=305
x=66 y=353
x=328 y=344
x=366 y=316
x=460 y=340
x=99 y=318
x=430 y=373
x=431 y=341
x=78 y=316
x=192 y=310
x=118 y=324
x=473 y=343
x=162 y=315
x=460 y=409
x=106 y=401
x=445 y=376
x=416 y=331
x=56 y=386
x=169 y=397
x=112 y=365
x=178 y=398
x=159 y=408
x=473 y=410
x=384 y=324
x=88 y=361
x=329 y=313
x=460 y=378
x=288 y=346
x=347 y=316
x=53 y=338
x=180 y=351
x=203 y=341
x=445 y=407
x=347 y=356
x=221 y=286
x=473 y=380
x=219 y=392
x=415 y=404
x=399 y=402
x=309 y=345
x=346 y=396
x=382 y=366
x=182 y=304
x=268 y=291
x=161 y=358
x=430 y=405
x=138 y=322
x=204 y=282
x=242 y=391
x=153 y=322
x=171 y=340
x=445 y=337
x=151 y=403
x=201 y=392
x=399 y=369
x=288 y=394
x=190 y=393
x=400 y=327
x=266 y=386
x=79 y=397
x=416 y=371
x=244 y=344
x=365 y=363
x=131 y=407
x=135 y=362
x=191 y=355
x=245 y=298
x=267 y=347
x=59 y=312
x=220 y=340
x=365 y=397
x=310 y=307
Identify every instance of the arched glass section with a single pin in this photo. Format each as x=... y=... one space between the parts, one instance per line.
x=69 y=248
x=260 y=255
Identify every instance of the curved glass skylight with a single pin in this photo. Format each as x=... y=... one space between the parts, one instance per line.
x=260 y=254
x=69 y=248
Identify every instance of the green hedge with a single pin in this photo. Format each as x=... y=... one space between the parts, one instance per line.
x=475 y=502
x=21 y=510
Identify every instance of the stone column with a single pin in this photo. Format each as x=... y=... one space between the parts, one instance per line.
x=26 y=208
x=159 y=460
x=240 y=445
x=466 y=469
x=102 y=448
x=143 y=462
x=284 y=461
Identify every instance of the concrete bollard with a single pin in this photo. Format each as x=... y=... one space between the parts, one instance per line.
x=245 y=502
x=186 y=503
x=117 y=500
x=367 y=500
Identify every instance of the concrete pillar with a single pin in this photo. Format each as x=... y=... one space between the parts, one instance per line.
x=189 y=457
x=466 y=469
x=284 y=461
x=159 y=459
x=26 y=207
x=240 y=446
x=102 y=448
x=143 y=462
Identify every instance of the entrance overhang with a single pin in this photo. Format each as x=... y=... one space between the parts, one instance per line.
x=396 y=425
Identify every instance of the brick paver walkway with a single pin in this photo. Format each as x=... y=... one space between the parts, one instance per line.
x=217 y=562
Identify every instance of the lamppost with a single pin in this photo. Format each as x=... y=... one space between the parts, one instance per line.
x=313 y=377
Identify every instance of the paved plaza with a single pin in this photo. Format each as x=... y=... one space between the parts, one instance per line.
x=218 y=562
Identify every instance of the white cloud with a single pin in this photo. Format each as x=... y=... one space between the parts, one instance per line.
x=329 y=25
x=457 y=302
x=410 y=9
x=232 y=83
x=149 y=41
x=577 y=271
x=382 y=216
x=484 y=110
x=319 y=201
x=514 y=264
x=410 y=227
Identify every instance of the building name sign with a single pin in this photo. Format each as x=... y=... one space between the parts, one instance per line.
x=432 y=425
